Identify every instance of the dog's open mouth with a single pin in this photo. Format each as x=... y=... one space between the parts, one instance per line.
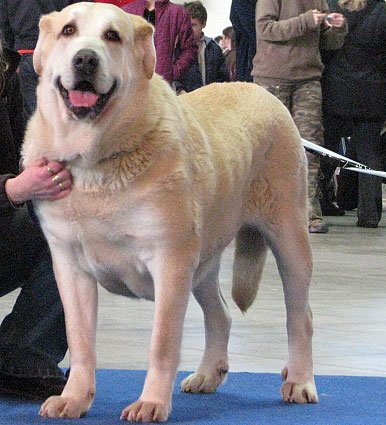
x=83 y=100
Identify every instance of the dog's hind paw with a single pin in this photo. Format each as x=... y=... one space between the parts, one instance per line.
x=299 y=393
x=292 y=392
x=144 y=411
x=203 y=383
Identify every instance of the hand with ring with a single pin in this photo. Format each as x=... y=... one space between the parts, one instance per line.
x=45 y=180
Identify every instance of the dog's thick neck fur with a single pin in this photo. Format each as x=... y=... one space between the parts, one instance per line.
x=96 y=151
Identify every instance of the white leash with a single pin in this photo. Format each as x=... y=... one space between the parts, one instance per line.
x=348 y=164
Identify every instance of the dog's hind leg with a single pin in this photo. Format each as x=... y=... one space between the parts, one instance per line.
x=289 y=241
x=213 y=369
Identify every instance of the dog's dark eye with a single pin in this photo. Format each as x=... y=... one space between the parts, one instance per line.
x=112 y=35
x=68 y=30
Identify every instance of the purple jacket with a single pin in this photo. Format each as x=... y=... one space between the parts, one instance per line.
x=173 y=34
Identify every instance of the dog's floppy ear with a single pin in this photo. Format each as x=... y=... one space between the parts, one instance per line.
x=143 y=39
x=44 y=41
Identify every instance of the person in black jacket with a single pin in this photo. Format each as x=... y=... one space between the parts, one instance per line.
x=354 y=98
x=243 y=21
x=32 y=336
x=19 y=29
x=209 y=65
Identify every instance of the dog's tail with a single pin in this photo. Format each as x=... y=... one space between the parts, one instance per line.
x=250 y=254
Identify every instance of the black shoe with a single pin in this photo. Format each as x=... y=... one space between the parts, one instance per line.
x=329 y=208
x=30 y=388
x=368 y=224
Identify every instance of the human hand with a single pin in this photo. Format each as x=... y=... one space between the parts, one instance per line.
x=319 y=17
x=41 y=180
x=335 y=20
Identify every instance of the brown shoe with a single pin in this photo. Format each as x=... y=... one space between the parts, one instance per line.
x=318 y=226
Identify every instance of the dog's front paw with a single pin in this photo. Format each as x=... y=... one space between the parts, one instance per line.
x=63 y=407
x=204 y=383
x=293 y=392
x=145 y=411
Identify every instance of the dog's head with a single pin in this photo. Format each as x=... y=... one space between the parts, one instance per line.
x=89 y=53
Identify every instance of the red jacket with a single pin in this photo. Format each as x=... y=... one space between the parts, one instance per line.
x=173 y=38
x=118 y=3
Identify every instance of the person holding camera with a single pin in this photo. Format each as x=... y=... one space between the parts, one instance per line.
x=288 y=64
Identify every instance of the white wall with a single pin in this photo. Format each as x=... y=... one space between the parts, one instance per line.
x=218 y=15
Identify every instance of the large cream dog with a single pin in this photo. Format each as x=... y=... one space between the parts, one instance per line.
x=162 y=184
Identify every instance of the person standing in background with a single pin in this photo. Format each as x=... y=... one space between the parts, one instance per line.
x=354 y=99
x=173 y=37
x=19 y=29
x=229 y=51
x=243 y=21
x=288 y=64
x=209 y=65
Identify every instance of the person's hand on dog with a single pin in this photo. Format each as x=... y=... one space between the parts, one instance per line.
x=41 y=180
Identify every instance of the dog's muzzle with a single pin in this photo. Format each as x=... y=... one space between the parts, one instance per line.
x=83 y=99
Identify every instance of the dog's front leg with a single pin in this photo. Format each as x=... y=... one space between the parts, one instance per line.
x=78 y=292
x=172 y=274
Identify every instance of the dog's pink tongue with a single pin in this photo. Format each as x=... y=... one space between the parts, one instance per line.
x=83 y=98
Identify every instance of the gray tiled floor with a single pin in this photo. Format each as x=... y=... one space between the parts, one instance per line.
x=348 y=298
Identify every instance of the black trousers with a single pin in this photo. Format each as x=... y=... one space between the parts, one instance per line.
x=32 y=336
x=365 y=146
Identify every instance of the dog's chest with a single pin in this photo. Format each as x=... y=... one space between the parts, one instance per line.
x=118 y=265
x=117 y=259
x=109 y=246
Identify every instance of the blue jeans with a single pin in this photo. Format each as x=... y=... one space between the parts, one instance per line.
x=32 y=337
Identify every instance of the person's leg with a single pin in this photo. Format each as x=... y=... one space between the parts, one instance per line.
x=367 y=141
x=306 y=111
x=282 y=92
x=32 y=336
x=347 y=192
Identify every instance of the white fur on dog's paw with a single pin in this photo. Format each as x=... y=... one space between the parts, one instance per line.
x=203 y=383
x=145 y=411
x=63 y=407
x=292 y=392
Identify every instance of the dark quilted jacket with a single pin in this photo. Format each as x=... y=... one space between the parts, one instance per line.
x=173 y=33
x=354 y=80
x=11 y=127
x=19 y=20
x=215 y=69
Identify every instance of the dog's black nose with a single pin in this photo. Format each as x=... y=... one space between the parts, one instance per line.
x=86 y=62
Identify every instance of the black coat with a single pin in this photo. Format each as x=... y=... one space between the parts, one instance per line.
x=242 y=17
x=215 y=69
x=11 y=125
x=354 y=80
x=19 y=20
